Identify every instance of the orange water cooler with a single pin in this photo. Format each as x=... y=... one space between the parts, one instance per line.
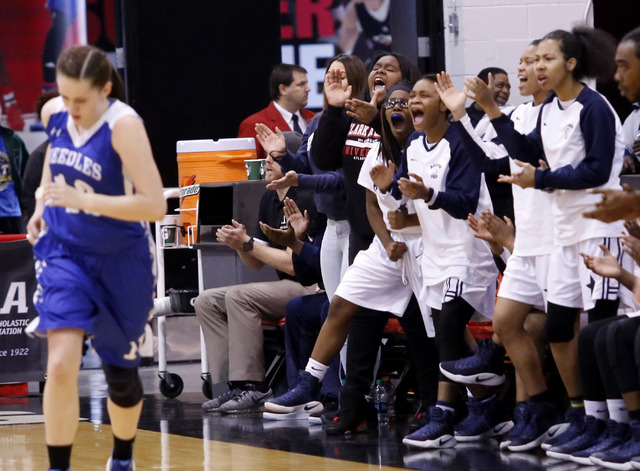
x=209 y=161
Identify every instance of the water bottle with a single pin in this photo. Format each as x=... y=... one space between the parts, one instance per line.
x=381 y=401
x=391 y=398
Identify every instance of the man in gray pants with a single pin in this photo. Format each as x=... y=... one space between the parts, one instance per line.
x=231 y=317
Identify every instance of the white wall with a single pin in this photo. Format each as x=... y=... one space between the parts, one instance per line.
x=495 y=32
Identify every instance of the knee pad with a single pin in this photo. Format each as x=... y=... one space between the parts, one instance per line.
x=560 y=323
x=125 y=387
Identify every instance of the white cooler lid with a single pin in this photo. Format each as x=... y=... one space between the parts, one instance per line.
x=209 y=145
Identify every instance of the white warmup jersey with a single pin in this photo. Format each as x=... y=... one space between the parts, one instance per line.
x=373 y=280
x=451 y=250
x=532 y=208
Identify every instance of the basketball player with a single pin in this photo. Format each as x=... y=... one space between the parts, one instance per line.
x=93 y=249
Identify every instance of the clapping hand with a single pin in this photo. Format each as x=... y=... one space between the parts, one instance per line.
x=233 y=235
x=289 y=179
x=382 y=175
x=615 y=205
x=606 y=266
x=364 y=111
x=336 y=95
x=269 y=140
x=450 y=96
x=297 y=220
x=413 y=189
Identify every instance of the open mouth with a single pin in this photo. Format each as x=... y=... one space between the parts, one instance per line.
x=542 y=79
x=378 y=84
x=397 y=121
x=417 y=116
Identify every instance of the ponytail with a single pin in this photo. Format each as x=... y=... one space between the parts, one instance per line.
x=593 y=49
x=117 y=85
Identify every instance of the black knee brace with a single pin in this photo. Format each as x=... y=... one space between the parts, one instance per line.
x=450 y=330
x=560 y=323
x=125 y=387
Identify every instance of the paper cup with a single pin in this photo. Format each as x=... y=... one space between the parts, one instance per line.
x=255 y=168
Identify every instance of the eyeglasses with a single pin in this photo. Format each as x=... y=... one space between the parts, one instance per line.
x=392 y=102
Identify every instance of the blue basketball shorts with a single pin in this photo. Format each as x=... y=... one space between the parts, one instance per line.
x=109 y=297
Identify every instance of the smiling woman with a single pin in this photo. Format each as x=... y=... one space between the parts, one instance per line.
x=579 y=137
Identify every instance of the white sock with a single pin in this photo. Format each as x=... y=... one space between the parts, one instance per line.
x=316 y=368
x=618 y=410
x=597 y=409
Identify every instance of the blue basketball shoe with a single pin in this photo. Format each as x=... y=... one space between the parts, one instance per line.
x=615 y=434
x=575 y=418
x=484 y=420
x=120 y=465
x=521 y=417
x=303 y=399
x=592 y=432
x=624 y=456
x=543 y=421
x=438 y=433
x=485 y=367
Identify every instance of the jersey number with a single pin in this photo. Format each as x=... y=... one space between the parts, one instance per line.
x=81 y=186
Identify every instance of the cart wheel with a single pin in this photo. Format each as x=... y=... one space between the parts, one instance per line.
x=172 y=387
x=206 y=389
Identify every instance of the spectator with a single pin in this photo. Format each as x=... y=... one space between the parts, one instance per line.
x=231 y=317
x=289 y=91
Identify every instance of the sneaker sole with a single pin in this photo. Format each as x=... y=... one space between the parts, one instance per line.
x=609 y=464
x=530 y=445
x=486 y=379
x=306 y=408
x=498 y=430
x=287 y=416
x=445 y=441
x=251 y=410
x=585 y=460
x=315 y=420
x=559 y=455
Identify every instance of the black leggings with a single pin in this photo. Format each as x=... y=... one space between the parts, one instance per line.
x=596 y=374
x=365 y=335
x=623 y=348
x=451 y=324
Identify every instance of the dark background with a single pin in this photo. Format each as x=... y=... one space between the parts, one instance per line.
x=196 y=69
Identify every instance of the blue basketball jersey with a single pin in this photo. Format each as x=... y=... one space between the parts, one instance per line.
x=89 y=163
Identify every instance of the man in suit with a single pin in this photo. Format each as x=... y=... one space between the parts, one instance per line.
x=289 y=89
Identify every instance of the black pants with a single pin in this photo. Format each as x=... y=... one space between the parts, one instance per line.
x=365 y=335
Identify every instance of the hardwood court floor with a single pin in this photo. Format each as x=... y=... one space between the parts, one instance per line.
x=176 y=435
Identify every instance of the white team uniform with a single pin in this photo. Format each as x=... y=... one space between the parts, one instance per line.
x=525 y=278
x=375 y=282
x=454 y=263
x=581 y=140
